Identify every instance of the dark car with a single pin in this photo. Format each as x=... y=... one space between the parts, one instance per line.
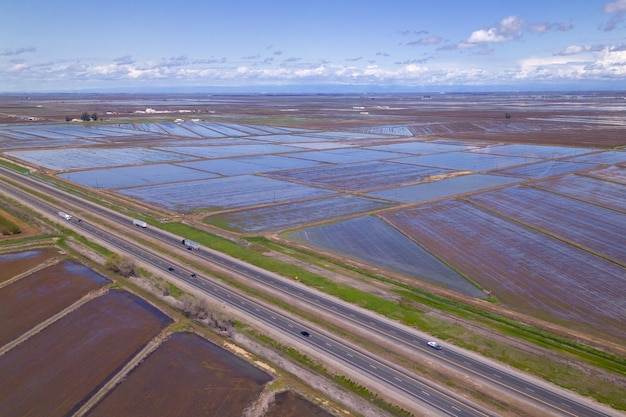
x=193 y=275
x=305 y=333
x=170 y=269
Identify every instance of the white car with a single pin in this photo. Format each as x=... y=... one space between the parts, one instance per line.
x=435 y=345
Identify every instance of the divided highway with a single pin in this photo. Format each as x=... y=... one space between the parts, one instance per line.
x=559 y=402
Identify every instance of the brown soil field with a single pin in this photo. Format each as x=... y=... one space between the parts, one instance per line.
x=186 y=376
x=56 y=370
x=16 y=263
x=290 y=404
x=43 y=294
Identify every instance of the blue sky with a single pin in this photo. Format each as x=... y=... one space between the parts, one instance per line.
x=293 y=45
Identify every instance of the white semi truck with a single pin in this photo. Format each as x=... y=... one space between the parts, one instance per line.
x=140 y=223
x=191 y=244
x=65 y=215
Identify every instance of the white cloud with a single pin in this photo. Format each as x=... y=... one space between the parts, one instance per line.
x=574 y=62
x=508 y=29
x=18 y=51
x=430 y=40
x=574 y=49
x=608 y=62
x=618 y=11
x=615 y=7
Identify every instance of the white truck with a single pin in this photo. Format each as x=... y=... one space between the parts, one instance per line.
x=140 y=223
x=191 y=245
x=65 y=215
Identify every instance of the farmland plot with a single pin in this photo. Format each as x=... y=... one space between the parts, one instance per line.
x=346 y=135
x=223 y=129
x=54 y=371
x=466 y=161
x=287 y=216
x=446 y=187
x=346 y=156
x=45 y=292
x=387 y=130
x=114 y=131
x=420 y=148
x=45 y=132
x=13 y=134
x=63 y=131
x=42 y=143
x=93 y=158
x=285 y=138
x=322 y=145
x=528 y=271
x=533 y=151
x=544 y=169
x=250 y=164
x=604 y=193
x=176 y=129
x=16 y=263
x=613 y=173
x=606 y=157
x=135 y=176
x=203 y=131
x=202 y=379
x=230 y=150
x=589 y=226
x=361 y=176
x=372 y=241
x=252 y=130
x=223 y=193
x=149 y=127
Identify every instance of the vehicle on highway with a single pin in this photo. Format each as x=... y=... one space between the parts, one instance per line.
x=191 y=245
x=193 y=275
x=305 y=333
x=435 y=345
x=65 y=215
x=140 y=223
x=170 y=269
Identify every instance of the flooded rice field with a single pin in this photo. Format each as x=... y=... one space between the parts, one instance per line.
x=530 y=271
x=224 y=192
x=371 y=240
x=523 y=186
x=448 y=187
x=361 y=176
x=291 y=215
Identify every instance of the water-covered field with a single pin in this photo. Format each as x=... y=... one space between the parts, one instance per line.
x=525 y=198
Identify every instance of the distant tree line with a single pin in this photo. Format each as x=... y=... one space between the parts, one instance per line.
x=85 y=117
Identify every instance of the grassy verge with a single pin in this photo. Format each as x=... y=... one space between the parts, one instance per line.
x=7 y=227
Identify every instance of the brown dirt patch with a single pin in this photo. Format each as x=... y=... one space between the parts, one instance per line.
x=290 y=404
x=53 y=372
x=202 y=379
x=16 y=263
x=43 y=294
